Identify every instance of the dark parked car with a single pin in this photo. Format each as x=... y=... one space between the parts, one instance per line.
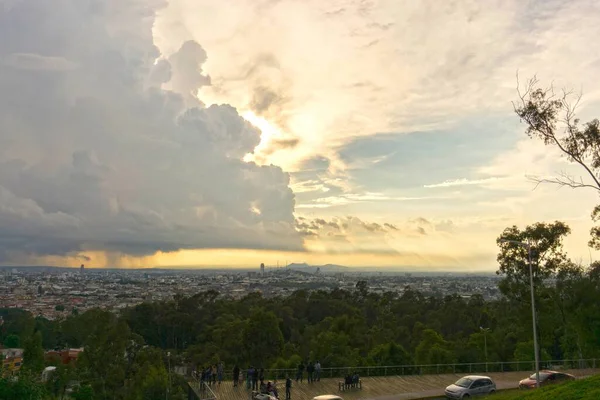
x=546 y=378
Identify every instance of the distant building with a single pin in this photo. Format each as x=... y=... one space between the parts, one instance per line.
x=64 y=356
x=81 y=269
x=262 y=269
x=11 y=360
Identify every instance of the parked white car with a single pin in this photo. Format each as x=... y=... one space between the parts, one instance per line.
x=470 y=386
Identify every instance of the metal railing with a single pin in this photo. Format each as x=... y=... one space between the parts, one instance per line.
x=430 y=369
x=203 y=391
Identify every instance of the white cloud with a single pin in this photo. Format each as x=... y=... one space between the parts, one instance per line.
x=312 y=185
x=350 y=68
x=462 y=182
x=98 y=157
x=351 y=198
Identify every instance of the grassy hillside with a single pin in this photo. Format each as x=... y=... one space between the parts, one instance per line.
x=584 y=389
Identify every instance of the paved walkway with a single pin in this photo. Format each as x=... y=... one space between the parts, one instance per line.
x=382 y=388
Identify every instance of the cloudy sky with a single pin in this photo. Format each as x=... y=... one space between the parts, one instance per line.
x=229 y=133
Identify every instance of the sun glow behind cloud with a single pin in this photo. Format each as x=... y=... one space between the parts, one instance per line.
x=120 y=169
x=268 y=133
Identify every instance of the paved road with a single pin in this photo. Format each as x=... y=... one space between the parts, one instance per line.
x=501 y=384
x=439 y=393
x=382 y=388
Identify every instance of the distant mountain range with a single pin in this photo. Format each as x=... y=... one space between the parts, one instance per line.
x=324 y=269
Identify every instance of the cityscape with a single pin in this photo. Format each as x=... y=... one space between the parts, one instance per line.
x=56 y=293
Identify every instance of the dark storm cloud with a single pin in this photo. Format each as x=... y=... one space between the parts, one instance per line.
x=95 y=155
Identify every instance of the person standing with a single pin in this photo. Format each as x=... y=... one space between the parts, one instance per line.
x=249 y=373
x=213 y=373
x=236 y=375
x=300 y=373
x=310 y=368
x=318 y=371
x=220 y=367
x=207 y=377
x=254 y=378
x=288 y=388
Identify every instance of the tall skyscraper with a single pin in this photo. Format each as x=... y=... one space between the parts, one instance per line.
x=262 y=268
x=81 y=269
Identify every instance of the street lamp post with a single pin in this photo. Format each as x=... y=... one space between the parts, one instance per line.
x=535 y=342
x=169 y=375
x=485 y=331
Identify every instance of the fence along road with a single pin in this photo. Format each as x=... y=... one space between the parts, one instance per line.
x=392 y=387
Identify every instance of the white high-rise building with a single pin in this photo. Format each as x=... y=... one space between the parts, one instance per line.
x=262 y=268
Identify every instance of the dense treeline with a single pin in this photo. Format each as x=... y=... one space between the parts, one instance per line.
x=127 y=355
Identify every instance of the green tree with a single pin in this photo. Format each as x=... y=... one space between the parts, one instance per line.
x=550 y=116
x=50 y=331
x=524 y=352
x=263 y=339
x=147 y=376
x=23 y=388
x=33 y=354
x=77 y=330
x=154 y=383
x=59 y=379
x=333 y=349
x=18 y=322
x=433 y=349
x=12 y=341
x=547 y=256
x=362 y=288
x=389 y=354
x=83 y=392
x=105 y=360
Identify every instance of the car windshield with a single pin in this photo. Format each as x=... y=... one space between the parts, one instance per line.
x=543 y=375
x=464 y=382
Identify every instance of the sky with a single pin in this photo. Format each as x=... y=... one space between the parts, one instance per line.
x=195 y=133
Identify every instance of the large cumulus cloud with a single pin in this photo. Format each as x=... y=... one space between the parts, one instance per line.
x=104 y=146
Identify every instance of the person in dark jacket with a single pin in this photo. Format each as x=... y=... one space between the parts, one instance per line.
x=310 y=369
x=288 y=388
x=220 y=368
x=236 y=375
x=249 y=373
x=300 y=373
x=254 y=378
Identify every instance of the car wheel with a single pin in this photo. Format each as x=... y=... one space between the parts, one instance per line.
x=466 y=396
x=492 y=391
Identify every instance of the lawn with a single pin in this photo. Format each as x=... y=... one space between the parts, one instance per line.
x=583 y=389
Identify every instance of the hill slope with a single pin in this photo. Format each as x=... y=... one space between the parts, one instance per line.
x=583 y=389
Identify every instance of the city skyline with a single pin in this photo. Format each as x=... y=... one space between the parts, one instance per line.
x=193 y=134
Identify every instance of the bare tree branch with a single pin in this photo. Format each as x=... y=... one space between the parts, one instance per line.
x=563 y=180
x=540 y=109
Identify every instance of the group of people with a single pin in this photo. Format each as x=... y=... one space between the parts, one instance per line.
x=313 y=371
x=352 y=380
x=255 y=377
x=210 y=374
